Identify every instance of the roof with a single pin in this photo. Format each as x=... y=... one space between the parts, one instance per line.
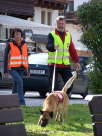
x=13 y=22
x=18 y=8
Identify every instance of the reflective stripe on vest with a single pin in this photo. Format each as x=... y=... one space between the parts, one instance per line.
x=17 y=59
x=63 y=54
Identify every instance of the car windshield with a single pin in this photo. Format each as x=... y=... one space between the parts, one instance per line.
x=38 y=58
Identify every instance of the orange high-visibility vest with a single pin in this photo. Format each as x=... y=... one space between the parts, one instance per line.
x=16 y=58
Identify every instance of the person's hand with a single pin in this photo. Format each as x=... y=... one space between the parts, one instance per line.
x=77 y=66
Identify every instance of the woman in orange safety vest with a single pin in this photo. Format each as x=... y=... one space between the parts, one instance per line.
x=16 y=62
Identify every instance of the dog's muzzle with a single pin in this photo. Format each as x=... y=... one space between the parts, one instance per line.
x=43 y=123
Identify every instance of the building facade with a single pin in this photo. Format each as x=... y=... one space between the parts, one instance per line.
x=43 y=13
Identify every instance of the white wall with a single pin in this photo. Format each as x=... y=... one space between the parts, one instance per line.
x=37 y=17
x=76 y=33
x=54 y=16
x=79 y=2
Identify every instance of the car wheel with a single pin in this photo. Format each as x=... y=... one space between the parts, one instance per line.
x=42 y=94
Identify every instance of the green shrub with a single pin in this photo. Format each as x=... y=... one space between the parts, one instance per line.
x=96 y=82
x=90 y=16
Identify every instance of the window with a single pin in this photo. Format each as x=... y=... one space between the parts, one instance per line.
x=42 y=17
x=71 y=6
x=49 y=18
x=2 y=33
x=61 y=13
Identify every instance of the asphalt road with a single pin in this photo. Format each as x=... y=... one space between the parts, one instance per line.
x=33 y=98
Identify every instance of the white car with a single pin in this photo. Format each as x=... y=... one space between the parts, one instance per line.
x=80 y=86
x=39 y=79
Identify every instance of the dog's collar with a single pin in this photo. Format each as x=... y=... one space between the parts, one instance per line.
x=59 y=96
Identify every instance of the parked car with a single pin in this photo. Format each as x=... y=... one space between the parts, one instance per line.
x=39 y=79
x=80 y=86
x=39 y=75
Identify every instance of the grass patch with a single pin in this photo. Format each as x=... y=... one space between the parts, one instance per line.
x=78 y=122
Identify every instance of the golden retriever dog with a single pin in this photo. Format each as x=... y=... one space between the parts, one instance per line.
x=56 y=103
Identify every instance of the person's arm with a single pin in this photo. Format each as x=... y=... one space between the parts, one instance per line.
x=73 y=53
x=7 y=49
x=74 y=56
x=50 y=44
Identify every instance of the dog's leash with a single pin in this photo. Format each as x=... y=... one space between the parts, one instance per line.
x=53 y=79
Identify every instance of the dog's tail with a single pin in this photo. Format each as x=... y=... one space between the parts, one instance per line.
x=69 y=82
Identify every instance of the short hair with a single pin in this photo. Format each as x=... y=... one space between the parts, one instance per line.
x=17 y=30
x=60 y=18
